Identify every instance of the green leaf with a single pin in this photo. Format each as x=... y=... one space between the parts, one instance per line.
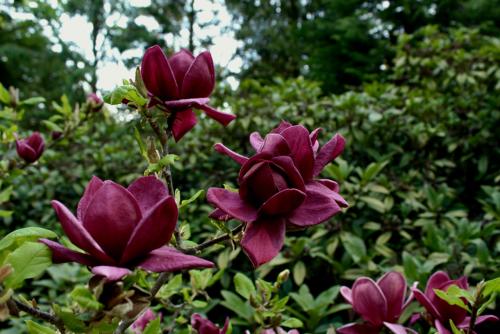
x=28 y=261
x=299 y=272
x=35 y=328
x=234 y=303
x=52 y=126
x=70 y=320
x=292 y=323
x=171 y=288
x=5 y=194
x=354 y=245
x=4 y=95
x=142 y=147
x=153 y=327
x=33 y=100
x=128 y=92
x=451 y=298
x=244 y=286
x=18 y=237
x=491 y=286
x=411 y=266
x=454 y=328
x=190 y=200
x=84 y=298
x=374 y=203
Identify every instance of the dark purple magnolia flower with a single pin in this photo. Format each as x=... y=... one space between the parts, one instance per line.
x=278 y=190
x=56 y=135
x=30 y=149
x=123 y=228
x=140 y=323
x=95 y=102
x=438 y=310
x=380 y=304
x=205 y=326
x=180 y=83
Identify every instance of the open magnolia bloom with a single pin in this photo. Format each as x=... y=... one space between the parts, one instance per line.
x=31 y=148
x=439 y=311
x=205 y=326
x=278 y=189
x=380 y=304
x=180 y=83
x=122 y=228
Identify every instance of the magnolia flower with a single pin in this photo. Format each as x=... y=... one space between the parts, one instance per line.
x=122 y=228
x=140 y=323
x=438 y=310
x=278 y=190
x=205 y=326
x=95 y=102
x=30 y=149
x=379 y=303
x=180 y=83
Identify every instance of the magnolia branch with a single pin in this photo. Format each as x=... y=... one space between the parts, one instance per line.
x=37 y=313
x=162 y=279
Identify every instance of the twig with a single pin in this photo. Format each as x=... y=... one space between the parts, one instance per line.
x=208 y=243
x=37 y=313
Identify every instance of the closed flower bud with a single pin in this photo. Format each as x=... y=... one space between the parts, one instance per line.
x=30 y=149
x=179 y=84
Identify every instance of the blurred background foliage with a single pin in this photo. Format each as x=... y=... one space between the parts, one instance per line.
x=413 y=86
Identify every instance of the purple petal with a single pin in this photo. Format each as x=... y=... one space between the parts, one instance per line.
x=205 y=326
x=36 y=142
x=183 y=104
x=154 y=230
x=180 y=62
x=221 y=117
x=435 y=282
x=396 y=328
x=281 y=127
x=111 y=217
x=26 y=152
x=110 y=273
x=346 y=293
x=199 y=80
x=231 y=203
x=332 y=185
x=393 y=285
x=256 y=141
x=426 y=303
x=140 y=323
x=358 y=329
x=157 y=74
x=292 y=173
x=94 y=185
x=369 y=301
x=314 y=139
x=275 y=144
x=77 y=234
x=263 y=240
x=301 y=149
x=148 y=192
x=61 y=254
x=441 y=329
x=316 y=208
x=183 y=122
x=219 y=214
x=283 y=202
x=259 y=182
x=328 y=152
x=483 y=318
x=238 y=158
x=226 y=326
x=170 y=259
